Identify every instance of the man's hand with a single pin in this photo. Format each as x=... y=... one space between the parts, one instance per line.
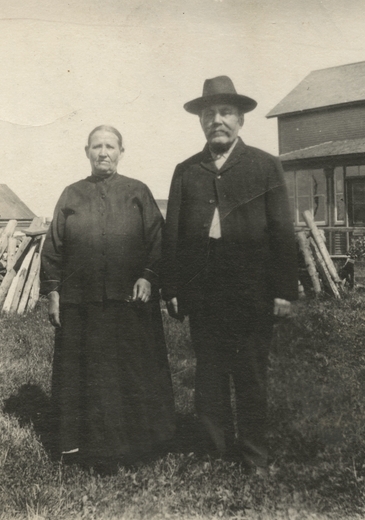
x=142 y=290
x=173 y=309
x=282 y=308
x=54 y=308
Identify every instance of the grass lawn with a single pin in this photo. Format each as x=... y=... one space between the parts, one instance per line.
x=317 y=415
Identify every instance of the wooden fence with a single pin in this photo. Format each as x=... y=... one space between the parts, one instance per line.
x=20 y=252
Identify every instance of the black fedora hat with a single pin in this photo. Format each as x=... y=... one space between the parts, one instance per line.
x=220 y=90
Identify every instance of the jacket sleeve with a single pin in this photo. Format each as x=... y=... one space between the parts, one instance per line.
x=284 y=273
x=170 y=267
x=52 y=252
x=152 y=223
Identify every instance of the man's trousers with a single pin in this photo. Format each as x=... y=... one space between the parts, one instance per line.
x=231 y=340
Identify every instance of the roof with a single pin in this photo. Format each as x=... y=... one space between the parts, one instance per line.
x=11 y=207
x=331 y=148
x=325 y=88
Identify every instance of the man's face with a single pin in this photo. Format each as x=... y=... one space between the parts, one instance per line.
x=103 y=152
x=221 y=124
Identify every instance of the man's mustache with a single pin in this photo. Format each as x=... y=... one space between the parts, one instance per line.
x=220 y=130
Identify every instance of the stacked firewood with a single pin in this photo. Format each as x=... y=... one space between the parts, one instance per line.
x=20 y=265
x=316 y=258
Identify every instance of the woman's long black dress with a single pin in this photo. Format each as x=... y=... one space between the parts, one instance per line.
x=111 y=386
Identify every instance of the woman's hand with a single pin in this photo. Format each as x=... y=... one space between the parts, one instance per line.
x=54 y=308
x=142 y=290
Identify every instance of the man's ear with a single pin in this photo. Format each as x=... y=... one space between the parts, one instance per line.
x=241 y=120
x=87 y=152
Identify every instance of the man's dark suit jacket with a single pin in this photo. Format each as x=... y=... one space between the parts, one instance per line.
x=257 y=229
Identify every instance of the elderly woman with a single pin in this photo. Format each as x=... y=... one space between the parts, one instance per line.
x=111 y=387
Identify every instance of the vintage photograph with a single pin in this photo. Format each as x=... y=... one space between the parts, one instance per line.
x=182 y=260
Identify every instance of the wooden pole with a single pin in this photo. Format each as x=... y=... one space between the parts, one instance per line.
x=34 y=293
x=321 y=245
x=36 y=224
x=309 y=262
x=35 y=232
x=12 y=244
x=41 y=243
x=8 y=232
x=322 y=267
x=5 y=285
x=33 y=272
x=21 y=252
x=16 y=288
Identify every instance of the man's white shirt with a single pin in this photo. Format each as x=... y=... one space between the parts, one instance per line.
x=219 y=160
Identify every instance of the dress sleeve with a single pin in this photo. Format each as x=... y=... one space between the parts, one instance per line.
x=152 y=223
x=52 y=252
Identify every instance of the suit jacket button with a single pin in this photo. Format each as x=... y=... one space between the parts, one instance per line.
x=219 y=176
x=211 y=201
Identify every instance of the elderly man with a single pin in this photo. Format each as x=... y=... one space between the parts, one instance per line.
x=230 y=264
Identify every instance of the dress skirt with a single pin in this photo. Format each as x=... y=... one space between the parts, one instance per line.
x=111 y=386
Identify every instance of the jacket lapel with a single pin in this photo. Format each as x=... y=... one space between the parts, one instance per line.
x=235 y=156
x=207 y=160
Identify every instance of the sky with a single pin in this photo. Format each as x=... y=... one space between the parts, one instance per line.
x=66 y=67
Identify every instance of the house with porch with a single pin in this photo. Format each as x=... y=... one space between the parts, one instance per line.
x=321 y=127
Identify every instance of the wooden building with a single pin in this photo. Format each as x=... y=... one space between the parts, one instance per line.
x=13 y=208
x=162 y=205
x=321 y=125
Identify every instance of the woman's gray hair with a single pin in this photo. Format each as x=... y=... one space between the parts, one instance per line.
x=107 y=128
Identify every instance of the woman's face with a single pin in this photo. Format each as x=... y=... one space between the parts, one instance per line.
x=103 y=152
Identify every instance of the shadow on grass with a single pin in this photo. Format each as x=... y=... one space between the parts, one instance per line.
x=31 y=405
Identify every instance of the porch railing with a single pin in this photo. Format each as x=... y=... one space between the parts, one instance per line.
x=338 y=239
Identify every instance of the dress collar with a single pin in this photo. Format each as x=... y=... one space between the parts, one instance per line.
x=98 y=178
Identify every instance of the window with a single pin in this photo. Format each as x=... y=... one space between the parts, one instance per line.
x=339 y=194
x=355 y=171
x=307 y=190
x=357 y=202
x=355 y=183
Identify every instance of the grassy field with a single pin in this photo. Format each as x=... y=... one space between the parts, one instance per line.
x=317 y=416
